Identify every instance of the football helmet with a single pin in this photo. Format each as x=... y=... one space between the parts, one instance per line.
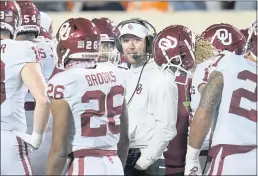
x=106 y=28
x=251 y=44
x=225 y=37
x=108 y=50
x=10 y=16
x=30 y=17
x=173 y=50
x=46 y=22
x=77 y=39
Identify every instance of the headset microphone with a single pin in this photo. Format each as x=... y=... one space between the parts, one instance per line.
x=136 y=57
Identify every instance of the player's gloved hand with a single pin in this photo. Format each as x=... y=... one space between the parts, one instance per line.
x=192 y=166
x=34 y=139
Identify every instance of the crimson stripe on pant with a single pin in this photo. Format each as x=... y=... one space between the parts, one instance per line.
x=27 y=153
x=212 y=166
x=22 y=157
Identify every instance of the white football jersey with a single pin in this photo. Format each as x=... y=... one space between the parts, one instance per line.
x=124 y=73
x=197 y=80
x=237 y=118
x=46 y=61
x=14 y=55
x=201 y=76
x=95 y=97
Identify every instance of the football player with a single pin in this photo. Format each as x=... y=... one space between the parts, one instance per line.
x=88 y=106
x=176 y=50
x=229 y=99
x=19 y=67
x=173 y=51
x=31 y=30
x=107 y=45
x=221 y=37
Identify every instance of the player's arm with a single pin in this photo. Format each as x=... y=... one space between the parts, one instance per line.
x=32 y=77
x=123 y=144
x=210 y=100
x=209 y=103
x=59 y=146
x=163 y=105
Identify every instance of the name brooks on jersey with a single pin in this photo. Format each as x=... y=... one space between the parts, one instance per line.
x=101 y=78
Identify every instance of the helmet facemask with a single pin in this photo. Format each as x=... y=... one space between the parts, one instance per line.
x=175 y=66
x=108 y=52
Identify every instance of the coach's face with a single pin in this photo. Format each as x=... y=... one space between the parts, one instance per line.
x=133 y=46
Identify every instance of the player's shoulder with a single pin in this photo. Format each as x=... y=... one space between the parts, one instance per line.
x=26 y=51
x=20 y=46
x=226 y=60
x=105 y=66
x=42 y=43
x=224 y=57
x=204 y=64
x=66 y=77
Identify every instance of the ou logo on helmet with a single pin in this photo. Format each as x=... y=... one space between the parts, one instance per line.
x=64 y=31
x=223 y=35
x=167 y=43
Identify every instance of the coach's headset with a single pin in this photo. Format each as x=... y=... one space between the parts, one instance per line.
x=149 y=38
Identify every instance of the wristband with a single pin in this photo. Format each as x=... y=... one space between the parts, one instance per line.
x=192 y=153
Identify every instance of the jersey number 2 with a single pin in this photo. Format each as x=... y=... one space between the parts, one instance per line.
x=105 y=103
x=240 y=93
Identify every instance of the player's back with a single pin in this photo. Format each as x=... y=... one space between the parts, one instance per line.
x=123 y=72
x=47 y=62
x=236 y=122
x=14 y=56
x=95 y=97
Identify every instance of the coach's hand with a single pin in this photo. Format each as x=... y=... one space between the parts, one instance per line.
x=34 y=140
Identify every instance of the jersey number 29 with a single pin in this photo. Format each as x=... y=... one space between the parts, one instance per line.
x=105 y=105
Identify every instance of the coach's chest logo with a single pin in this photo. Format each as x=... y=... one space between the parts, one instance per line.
x=139 y=89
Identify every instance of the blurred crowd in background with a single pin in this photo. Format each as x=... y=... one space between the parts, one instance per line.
x=163 y=6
